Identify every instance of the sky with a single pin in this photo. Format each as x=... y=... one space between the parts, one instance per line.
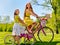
x=7 y=8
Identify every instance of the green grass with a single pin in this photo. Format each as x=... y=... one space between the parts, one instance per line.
x=56 y=40
x=2 y=35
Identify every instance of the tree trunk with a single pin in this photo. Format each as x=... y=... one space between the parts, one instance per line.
x=57 y=32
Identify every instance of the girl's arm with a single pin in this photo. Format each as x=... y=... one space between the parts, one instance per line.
x=33 y=14
x=21 y=21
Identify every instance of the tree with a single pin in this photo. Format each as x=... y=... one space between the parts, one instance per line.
x=6 y=21
x=55 y=5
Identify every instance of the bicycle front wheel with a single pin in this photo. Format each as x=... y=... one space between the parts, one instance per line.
x=45 y=34
x=9 y=40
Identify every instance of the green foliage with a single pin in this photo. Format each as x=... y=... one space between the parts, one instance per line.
x=1 y=28
x=6 y=27
x=56 y=40
x=51 y=22
x=56 y=8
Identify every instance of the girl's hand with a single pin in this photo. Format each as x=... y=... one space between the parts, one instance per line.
x=24 y=24
x=37 y=16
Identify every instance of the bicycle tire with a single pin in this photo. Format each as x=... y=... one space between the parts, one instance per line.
x=28 y=42
x=40 y=36
x=8 y=40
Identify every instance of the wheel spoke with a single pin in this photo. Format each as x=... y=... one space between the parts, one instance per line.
x=46 y=34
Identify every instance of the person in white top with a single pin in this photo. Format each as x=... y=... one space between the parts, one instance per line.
x=18 y=27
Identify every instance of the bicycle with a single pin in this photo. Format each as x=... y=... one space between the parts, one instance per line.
x=9 y=40
x=43 y=32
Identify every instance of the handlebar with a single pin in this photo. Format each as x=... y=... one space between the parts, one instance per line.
x=41 y=18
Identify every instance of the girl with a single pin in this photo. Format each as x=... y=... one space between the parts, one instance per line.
x=29 y=22
x=17 y=28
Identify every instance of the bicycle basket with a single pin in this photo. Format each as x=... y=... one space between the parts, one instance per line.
x=43 y=23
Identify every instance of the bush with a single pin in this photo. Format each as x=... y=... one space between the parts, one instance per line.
x=1 y=29
x=10 y=29
x=6 y=27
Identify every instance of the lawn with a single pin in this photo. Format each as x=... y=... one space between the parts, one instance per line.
x=56 y=40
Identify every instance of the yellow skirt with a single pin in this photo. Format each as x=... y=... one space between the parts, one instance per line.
x=28 y=21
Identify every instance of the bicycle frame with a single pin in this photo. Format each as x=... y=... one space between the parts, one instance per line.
x=42 y=30
x=26 y=35
x=41 y=27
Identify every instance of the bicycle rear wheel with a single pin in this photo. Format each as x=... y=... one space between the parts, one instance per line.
x=29 y=40
x=45 y=34
x=9 y=40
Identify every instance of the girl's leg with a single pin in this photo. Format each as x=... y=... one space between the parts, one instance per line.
x=30 y=27
x=17 y=39
x=37 y=28
x=14 y=38
x=33 y=25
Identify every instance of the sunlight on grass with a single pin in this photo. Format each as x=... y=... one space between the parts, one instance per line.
x=56 y=38
x=58 y=44
x=36 y=36
x=2 y=35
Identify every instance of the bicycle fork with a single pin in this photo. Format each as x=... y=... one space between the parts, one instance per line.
x=43 y=30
